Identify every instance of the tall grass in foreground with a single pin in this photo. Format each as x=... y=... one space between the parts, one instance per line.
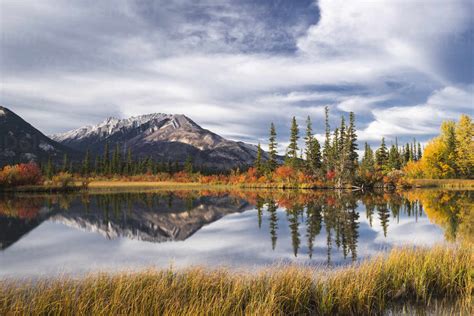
x=404 y=275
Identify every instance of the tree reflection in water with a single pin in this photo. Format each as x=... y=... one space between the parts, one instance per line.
x=166 y=216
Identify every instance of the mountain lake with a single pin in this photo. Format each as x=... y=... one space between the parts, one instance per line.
x=79 y=233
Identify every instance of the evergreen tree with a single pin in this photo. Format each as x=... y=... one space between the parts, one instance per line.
x=272 y=149
x=327 y=163
x=315 y=156
x=150 y=165
x=129 y=163
x=342 y=137
x=407 y=153
x=309 y=137
x=116 y=166
x=420 y=153
x=334 y=153
x=97 y=165
x=65 y=164
x=273 y=221
x=342 y=162
x=351 y=145
x=86 y=164
x=293 y=146
x=312 y=150
x=49 y=168
x=368 y=162
x=106 y=159
x=393 y=158
x=258 y=161
x=188 y=165
x=381 y=155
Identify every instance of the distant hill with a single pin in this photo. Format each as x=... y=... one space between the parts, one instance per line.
x=21 y=142
x=164 y=137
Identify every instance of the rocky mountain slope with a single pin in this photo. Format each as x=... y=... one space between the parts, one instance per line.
x=21 y=142
x=164 y=137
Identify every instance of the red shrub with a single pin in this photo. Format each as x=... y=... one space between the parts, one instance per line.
x=330 y=175
x=21 y=174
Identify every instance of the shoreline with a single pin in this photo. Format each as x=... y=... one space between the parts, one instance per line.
x=100 y=185
x=403 y=276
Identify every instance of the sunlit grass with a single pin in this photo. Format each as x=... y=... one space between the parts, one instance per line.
x=404 y=275
x=443 y=183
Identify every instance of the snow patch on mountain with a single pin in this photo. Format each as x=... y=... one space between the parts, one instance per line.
x=2 y=112
x=45 y=146
x=111 y=126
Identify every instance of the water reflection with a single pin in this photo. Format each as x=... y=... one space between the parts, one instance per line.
x=298 y=225
x=153 y=217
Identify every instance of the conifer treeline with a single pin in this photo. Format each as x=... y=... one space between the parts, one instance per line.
x=114 y=163
x=337 y=160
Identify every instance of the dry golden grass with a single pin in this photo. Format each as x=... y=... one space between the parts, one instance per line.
x=443 y=183
x=404 y=275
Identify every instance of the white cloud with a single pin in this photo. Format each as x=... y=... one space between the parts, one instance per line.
x=421 y=119
x=157 y=59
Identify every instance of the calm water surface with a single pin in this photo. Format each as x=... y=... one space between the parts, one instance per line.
x=50 y=234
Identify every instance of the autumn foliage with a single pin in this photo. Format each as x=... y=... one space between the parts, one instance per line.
x=450 y=155
x=21 y=174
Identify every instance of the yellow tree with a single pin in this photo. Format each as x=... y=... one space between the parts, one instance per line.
x=439 y=158
x=465 y=146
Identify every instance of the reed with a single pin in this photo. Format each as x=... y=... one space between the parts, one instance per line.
x=416 y=275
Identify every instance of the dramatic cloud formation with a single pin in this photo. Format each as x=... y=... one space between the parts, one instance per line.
x=234 y=66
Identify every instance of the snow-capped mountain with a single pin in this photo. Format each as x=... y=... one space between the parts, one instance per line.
x=164 y=137
x=21 y=142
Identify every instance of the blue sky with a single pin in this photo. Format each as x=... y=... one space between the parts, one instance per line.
x=235 y=66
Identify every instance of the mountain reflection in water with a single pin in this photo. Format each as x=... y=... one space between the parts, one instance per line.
x=323 y=222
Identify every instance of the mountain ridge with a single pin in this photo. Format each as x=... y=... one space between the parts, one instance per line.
x=22 y=142
x=164 y=137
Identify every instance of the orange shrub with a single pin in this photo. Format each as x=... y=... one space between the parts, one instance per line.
x=21 y=174
x=284 y=173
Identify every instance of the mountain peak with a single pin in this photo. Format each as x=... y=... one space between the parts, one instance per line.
x=165 y=137
x=21 y=142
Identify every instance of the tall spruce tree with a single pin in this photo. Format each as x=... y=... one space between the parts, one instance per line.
x=368 y=162
x=419 y=152
x=65 y=164
x=106 y=159
x=312 y=150
x=272 y=149
x=327 y=150
x=293 y=146
x=97 y=165
x=393 y=158
x=407 y=153
x=381 y=155
x=342 y=155
x=49 y=168
x=258 y=161
x=86 y=165
x=116 y=160
x=351 y=145
x=308 y=137
x=188 y=165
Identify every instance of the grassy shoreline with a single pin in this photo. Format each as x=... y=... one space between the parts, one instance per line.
x=405 y=275
x=98 y=185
